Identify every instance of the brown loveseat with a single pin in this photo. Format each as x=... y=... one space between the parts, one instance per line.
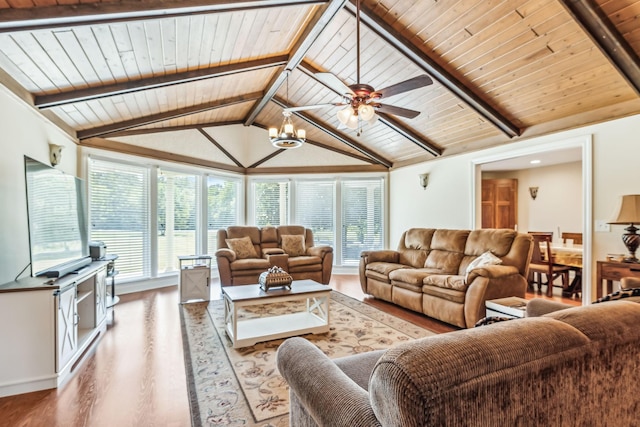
x=270 y=245
x=574 y=367
x=428 y=271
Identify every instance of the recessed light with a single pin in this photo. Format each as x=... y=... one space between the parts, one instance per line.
x=534 y=162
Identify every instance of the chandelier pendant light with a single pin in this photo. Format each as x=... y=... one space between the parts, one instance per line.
x=287 y=136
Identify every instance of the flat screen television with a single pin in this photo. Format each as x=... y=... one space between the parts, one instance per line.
x=57 y=211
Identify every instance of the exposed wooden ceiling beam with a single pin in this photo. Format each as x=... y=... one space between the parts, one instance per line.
x=385 y=119
x=121 y=147
x=55 y=100
x=606 y=36
x=267 y=158
x=394 y=124
x=38 y=18
x=316 y=169
x=167 y=115
x=412 y=52
x=318 y=23
x=337 y=135
x=196 y=126
x=220 y=147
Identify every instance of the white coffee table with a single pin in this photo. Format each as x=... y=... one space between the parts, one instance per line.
x=313 y=318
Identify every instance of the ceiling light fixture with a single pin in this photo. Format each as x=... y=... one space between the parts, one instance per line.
x=287 y=136
x=358 y=110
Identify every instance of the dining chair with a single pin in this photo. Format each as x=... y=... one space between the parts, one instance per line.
x=576 y=237
x=576 y=283
x=542 y=264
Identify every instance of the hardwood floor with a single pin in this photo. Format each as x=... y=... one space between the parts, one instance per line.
x=135 y=376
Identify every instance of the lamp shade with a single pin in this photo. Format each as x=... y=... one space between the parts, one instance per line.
x=629 y=212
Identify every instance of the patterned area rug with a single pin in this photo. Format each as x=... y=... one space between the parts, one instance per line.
x=242 y=387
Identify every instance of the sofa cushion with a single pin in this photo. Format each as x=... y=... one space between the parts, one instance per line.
x=448 y=294
x=243 y=247
x=249 y=264
x=412 y=276
x=447 y=250
x=414 y=247
x=384 y=267
x=299 y=261
x=496 y=241
x=293 y=244
x=448 y=281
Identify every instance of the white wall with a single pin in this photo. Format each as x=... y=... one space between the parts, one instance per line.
x=24 y=132
x=447 y=201
x=558 y=205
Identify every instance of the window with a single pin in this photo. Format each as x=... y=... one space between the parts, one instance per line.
x=315 y=208
x=362 y=219
x=223 y=207
x=178 y=212
x=119 y=214
x=271 y=203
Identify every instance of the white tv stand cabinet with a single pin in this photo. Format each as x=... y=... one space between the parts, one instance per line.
x=47 y=325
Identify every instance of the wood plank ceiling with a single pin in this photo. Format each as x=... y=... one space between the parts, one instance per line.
x=502 y=70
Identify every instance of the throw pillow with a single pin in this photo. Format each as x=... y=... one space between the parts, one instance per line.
x=624 y=293
x=491 y=320
x=483 y=260
x=243 y=247
x=293 y=244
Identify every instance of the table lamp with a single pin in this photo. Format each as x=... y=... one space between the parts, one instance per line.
x=629 y=213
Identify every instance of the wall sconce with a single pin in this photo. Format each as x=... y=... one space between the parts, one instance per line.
x=424 y=180
x=55 y=153
x=534 y=192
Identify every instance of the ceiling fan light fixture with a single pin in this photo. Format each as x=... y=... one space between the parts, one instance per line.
x=366 y=112
x=287 y=136
x=344 y=115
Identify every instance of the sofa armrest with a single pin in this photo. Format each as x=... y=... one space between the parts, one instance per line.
x=226 y=253
x=319 y=251
x=539 y=306
x=224 y=258
x=493 y=272
x=329 y=396
x=380 y=256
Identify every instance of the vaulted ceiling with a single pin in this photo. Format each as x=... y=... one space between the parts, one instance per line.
x=168 y=78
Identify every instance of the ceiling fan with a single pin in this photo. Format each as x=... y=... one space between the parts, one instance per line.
x=362 y=100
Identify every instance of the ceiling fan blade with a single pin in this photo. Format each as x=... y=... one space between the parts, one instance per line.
x=332 y=81
x=405 y=86
x=313 y=107
x=397 y=111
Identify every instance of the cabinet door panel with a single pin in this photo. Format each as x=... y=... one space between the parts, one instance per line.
x=66 y=328
x=101 y=295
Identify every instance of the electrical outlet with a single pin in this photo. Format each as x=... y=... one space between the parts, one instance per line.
x=602 y=226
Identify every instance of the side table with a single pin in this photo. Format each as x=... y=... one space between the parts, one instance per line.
x=112 y=298
x=610 y=271
x=514 y=307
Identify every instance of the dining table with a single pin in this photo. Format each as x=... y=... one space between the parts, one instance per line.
x=571 y=256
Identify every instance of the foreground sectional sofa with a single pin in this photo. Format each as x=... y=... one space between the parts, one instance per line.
x=428 y=271
x=573 y=367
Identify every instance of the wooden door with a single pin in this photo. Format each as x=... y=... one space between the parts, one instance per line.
x=499 y=203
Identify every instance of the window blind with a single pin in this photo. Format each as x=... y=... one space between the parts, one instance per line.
x=178 y=212
x=223 y=208
x=315 y=209
x=362 y=218
x=119 y=214
x=271 y=203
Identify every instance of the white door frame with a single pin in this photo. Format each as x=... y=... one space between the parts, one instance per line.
x=586 y=144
